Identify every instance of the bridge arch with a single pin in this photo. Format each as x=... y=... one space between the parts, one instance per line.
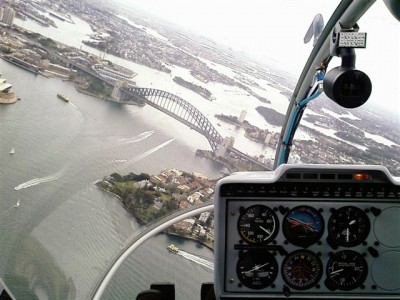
x=177 y=108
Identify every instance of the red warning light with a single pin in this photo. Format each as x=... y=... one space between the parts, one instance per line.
x=361 y=176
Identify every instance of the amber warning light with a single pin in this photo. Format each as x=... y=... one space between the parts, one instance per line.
x=361 y=176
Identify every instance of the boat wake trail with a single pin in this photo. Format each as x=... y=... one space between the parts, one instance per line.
x=151 y=151
x=37 y=181
x=140 y=137
x=198 y=260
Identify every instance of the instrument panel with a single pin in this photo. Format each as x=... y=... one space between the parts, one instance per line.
x=307 y=231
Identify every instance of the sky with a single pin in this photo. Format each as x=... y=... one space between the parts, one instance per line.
x=273 y=30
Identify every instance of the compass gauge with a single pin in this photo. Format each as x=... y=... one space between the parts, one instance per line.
x=301 y=269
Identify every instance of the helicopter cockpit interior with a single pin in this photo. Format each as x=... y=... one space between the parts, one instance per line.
x=301 y=231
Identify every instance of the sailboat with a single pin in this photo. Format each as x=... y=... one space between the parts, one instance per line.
x=17 y=204
x=12 y=151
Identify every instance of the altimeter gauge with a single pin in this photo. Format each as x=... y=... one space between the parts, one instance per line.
x=303 y=225
x=346 y=270
x=258 y=224
x=257 y=269
x=348 y=226
x=301 y=269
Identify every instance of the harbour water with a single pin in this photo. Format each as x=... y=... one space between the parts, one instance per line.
x=61 y=149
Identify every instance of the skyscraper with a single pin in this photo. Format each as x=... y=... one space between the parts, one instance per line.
x=8 y=16
x=242 y=116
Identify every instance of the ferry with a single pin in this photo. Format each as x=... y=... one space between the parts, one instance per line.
x=62 y=97
x=172 y=248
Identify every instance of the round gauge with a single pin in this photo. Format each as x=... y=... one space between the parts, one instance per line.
x=303 y=226
x=301 y=269
x=257 y=269
x=258 y=224
x=348 y=226
x=346 y=270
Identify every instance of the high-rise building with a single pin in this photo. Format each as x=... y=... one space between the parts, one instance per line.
x=8 y=16
x=242 y=116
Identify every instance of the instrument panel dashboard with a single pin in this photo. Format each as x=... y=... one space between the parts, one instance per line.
x=308 y=231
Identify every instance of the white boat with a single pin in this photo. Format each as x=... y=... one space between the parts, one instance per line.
x=17 y=204
x=172 y=248
x=12 y=151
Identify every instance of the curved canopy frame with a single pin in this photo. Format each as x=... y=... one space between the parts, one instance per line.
x=347 y=13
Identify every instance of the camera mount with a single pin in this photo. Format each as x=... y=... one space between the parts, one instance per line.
x=346 y=85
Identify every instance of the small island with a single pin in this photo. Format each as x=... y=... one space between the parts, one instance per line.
x=149 y=198
x=194 y=87
x=271 y=116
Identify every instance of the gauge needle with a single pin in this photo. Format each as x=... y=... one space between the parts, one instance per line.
x=337 y=271
x=256 y=268
x=352 y=222
x=347 y=234
x=266 y=230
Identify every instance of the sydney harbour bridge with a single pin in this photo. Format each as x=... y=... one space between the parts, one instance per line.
x=184 y=112
x=173 y=106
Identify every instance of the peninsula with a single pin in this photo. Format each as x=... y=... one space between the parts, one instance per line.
x=148 y=198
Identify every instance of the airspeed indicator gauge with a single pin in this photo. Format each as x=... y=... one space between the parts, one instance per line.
x=258 y=224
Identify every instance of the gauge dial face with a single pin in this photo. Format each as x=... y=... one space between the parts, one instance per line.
x=301 y=269
x=257 y=269
x=348 y=226
x=346 y=270
x=258 y=224
x=303 y=226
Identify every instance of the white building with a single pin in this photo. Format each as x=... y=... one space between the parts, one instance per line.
x=242 y=116
x=8 y=16
x=204 y=216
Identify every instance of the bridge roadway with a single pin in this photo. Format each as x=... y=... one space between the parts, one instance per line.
x=173 y=106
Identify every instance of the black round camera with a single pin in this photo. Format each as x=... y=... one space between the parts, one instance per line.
x=347 y=86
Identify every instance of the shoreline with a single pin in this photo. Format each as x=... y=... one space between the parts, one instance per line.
x=188 y=239
x=144 y=223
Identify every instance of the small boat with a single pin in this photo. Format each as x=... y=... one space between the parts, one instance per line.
x=12 y=151
x=172 y=248
x=17 y=204
x=63 y=97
